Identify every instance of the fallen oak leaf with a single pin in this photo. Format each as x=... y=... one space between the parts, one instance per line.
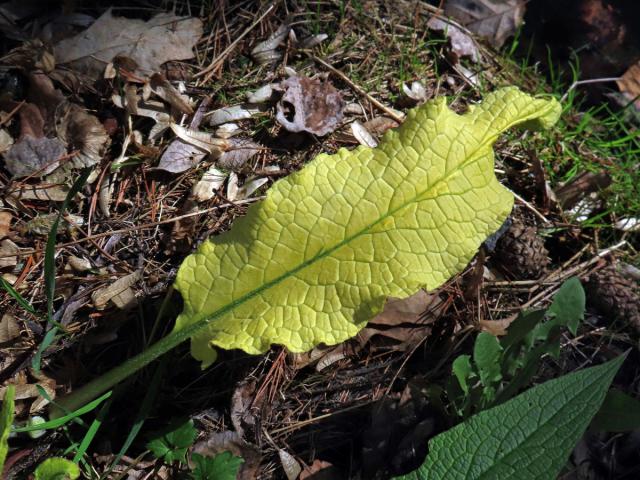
x=149 y=44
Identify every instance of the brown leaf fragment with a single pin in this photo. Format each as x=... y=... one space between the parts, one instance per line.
x=9 y=328
x=149 y=44
x=309 y=105
x=44 y=192
x=239 y=153
x=30 y=155
x=495 y=20
x=497 y=328
x=405 y=320
x=316 y=470
x=82 y=132
x=8 y=253
x=461 y=43
x=119 y=292
x=5 y=224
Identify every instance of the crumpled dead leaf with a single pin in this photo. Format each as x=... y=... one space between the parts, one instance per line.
x=495 y=20
x=149 y=44
x=462 y=45
x=81 y=132
x=309 y=105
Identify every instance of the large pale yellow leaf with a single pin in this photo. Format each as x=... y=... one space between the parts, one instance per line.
x=318 y=257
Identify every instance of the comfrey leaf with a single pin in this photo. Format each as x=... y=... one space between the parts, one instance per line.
x=317 y=258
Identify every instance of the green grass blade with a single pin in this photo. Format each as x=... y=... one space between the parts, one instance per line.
x=58 y=422
x=50 y=268
x=17 y=297
x=93 y=429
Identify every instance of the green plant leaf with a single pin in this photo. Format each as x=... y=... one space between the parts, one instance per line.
x=223 y=466
x=6 y=420
x=569 y=304
x=529 y=437
x=461 y=368
x=619 y=413
x=57 y=468
x=172 y=445
x=486 y=356
x=318 y=257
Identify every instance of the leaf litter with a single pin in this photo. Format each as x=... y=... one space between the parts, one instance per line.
x=157 y=164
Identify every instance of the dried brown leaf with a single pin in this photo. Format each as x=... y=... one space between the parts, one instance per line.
x=5 y=224
x=495 y=20
x=30 y=155
x=149 y=44
x=82 y=132
x=461 y=43
x=309 y=105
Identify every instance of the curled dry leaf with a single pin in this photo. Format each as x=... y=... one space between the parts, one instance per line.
x=461 y=43
x=161 y=87
x=210 y=182
x=238 y=152
x=236 y=192
x=232 y=114
x=261 y=95
x=309 y=105
x=495 y=20
x=362 y=135
x=82 y=132
x=203 y=140
x=149 y=44
x=228 y=130
x=267 y=50
x=153 y=110
x=415 y=92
